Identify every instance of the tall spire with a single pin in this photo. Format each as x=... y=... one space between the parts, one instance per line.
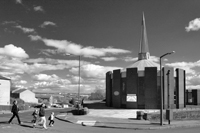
x=144 y=48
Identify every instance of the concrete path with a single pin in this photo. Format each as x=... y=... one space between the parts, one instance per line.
x=124 y=119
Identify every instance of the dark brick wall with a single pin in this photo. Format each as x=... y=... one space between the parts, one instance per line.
x=180 y=89
x=116 y=89
x=132 y=85
x=196 y=97
x=151 y=92
x=108 y=89
x=123 y=93
x=141 y=93
x=171 y=87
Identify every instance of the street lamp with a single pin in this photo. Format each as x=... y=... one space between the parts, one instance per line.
x=161 y=89
x=79 y=74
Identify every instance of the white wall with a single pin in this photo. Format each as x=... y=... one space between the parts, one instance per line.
x=28 y=96
x=4 y=92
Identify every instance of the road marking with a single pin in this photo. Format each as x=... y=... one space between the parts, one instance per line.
x=86 y=123
x=61 y=115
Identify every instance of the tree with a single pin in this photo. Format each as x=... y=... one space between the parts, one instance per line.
x=98 y=94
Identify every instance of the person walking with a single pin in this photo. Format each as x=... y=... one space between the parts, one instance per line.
x=15 y=111
x=51 y=119
x=34 y=114
x=42 y=115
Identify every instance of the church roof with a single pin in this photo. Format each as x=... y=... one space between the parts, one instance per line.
x=141 y=64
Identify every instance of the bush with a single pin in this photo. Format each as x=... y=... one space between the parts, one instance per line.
x=86 y=111
x=81 y=111
x=183 y=114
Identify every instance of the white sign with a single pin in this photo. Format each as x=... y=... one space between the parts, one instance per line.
x=131 y=98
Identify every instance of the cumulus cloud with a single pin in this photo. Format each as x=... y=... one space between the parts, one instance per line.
x=23 y=82
x=20 y=67
x=46 y=23
x=187 y=66
x=46 y=77
x=9 y=22
x=131 y=59
x=35 y=37
x=18 y=1
x=66 y=63
x=194 y=25
x=192 y=76
x=38 y=9
x=76 y=49
x=25 y=30
x=109 y=58
x=49 y=52
x=93 y=71
x=13 y=51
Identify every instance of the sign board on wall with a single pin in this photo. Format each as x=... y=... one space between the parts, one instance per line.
x=4 y=92
x=131 y=98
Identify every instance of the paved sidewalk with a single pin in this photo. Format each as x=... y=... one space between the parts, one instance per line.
x=124 y=119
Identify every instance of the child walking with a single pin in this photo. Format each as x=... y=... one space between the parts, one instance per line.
x=51 y=119
x=35 y=115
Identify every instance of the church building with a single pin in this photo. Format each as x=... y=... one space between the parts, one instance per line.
x=138 y=85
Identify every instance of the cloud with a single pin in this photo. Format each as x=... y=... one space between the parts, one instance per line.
x=49 y=52
x=131 y=59
x=194 y=25
x=93 y=71
x=46 y=23
x=26 y=30
x=187 y=66
x=23 y=82
x=19 y=67
x=35 y=37
x=109 y=58
x=45 y=77
x=75 y=79
x=38 y=8
x=66 y=63
x=18 y=1
x=9 y=22
x=13 y=51
x=65 y=46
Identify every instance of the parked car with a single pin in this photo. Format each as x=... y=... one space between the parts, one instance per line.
x=56 y=106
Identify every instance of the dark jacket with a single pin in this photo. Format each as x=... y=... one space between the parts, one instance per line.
x=42 y=112
x=15 y=109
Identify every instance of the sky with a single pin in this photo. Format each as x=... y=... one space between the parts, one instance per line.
x=41 y=40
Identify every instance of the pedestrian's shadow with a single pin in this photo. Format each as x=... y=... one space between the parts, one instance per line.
x=23 y=125
x=3 y=122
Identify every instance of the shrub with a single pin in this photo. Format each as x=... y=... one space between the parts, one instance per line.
x=86 y=111
x=81 y=111
x=183 y=114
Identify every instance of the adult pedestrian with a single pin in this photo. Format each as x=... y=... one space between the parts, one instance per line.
x=42 y=115
x=15 y=111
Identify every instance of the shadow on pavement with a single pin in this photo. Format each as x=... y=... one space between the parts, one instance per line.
x=23 y=125
x=97 y=105
x=4 y=122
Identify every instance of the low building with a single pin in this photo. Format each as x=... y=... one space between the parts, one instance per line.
x=45 y=98
x=4 y=91
x=25 y=95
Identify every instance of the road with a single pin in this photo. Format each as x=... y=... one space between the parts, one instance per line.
x=65 y=127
